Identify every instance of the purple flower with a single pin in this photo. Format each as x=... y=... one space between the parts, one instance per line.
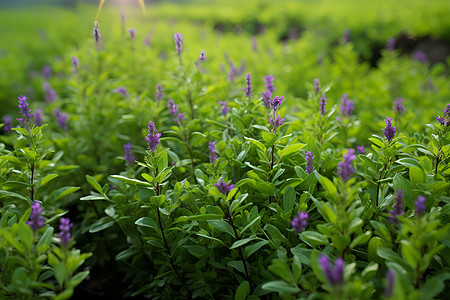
x=225 y=109
x=275 y=103
x=75 y=63
x=420 y=206
x=446 y=111
x=233 y=73
x=347 y=106
x=212 y=155
x=334 y=276
x=132 y=33
x=224 y=187
x=148 y=40
x=389 y=131
x=398 y=105
x=7 y=124
x=122 y=17
x=173 y=109
x=47 y=72
x=61 y=118
x=267 y=95
x=248 y=88
x=300 y=222
x=390 y=44
x=360 y=149
x=38 y=117
x=398 y=208
x=316 y=86
x=346 y=37
x=178 y=42
x=420 y=56
x=309 y=162
x=122 y=91
x=323 y=103
x=36 y=221
x=153 y=137
x=345 y=168
x=97 y=35
x=64 y=234
x=390 y=278
x=440 y=120
x=50 y=94
x=158 y=94
x=277 y=122
x=268 y=80
x=27 y=116
x=202 y=56
x=128 y=153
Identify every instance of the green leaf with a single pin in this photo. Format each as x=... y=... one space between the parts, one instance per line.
x=204 y=217
x=45 y=239
x=269 y=137
x=147 y=222
x=291 y=149
x=94 y=184
x=13 y=195
x=250 y=224
x=78 y=278
x=242 y=291
x=327 y=184
x=314 y=238
x=432 y=288
x=257 y=144
x=381 y=230
x=274 y=233
x=222 y=226
x=416 y=175
x=26 y=235
x=48 y=178
x=62 y=192
x=101 y=224
x=60 y=272
x=289 y=199
x=242 y=242
x=131 y=181
x=250 y=249
x=280 y=286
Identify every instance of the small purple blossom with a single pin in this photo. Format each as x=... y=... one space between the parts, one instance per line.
x=225 y=109
x=389 y=131
x=275 y=103
x=47 y=72
x=178 y=38
x=390 y=278
x=268 y=80
x=390 y=44
x=75 y=63
x=299 y=223
x=27 y=116
x=334 y=276
x=153 y=137
x=50 y=94
x=212 y=155
x=38 y=117
x=97 y=35
x=316 y=86
x=248 y=88
x=345 y=168
x=36 y=221
x=277 y=122
x=224 y=187
x=398 y=208
x=420 y=56
x=159 y=93
x=360 y=149
x=309 y=162
x=128 y=153
x=61 y=118
x=64 y=234
x=267 y=95
x=122 y=91
x=346 y=37
x=173 y=109
x=132 y=33
x=420 y=206
x=347 y=106
x=323 y=103
x=202 y=56
x=398 y=105
x=446 y=111
x=7 y=124
x=148 y=40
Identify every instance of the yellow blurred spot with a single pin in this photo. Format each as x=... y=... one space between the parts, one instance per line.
x=99 y=8
x=143 y=6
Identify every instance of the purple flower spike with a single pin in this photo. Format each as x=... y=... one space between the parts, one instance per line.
x=153 y=137
x=36 y=221
x=27 y=116
x=309 y=162
x=132 y=33
x=7 y=124
x=97 y=35
x=420 y=206
x=345 y=168
x=178 y=38
x=277 y=122
x=128 y=153
x=323 y=103
x=390 y=44
x=360 y=149
x=212 y=155
x=202 y=56
x=158 y=94
x=225 y=109
x=38 y=117
x=390 y=278
x=75 y=63
x=248 y=88
x=347 y=106
x=268 y=80
x=398 y=106
x=420 y=56
x=61 y=118
x=122 y=91
x=47 y=72
x=389 y=131
x=316 y=86
x=440 y=120
x=148 y=40
x=334 y=276
x=398 y=208
x=275 y=103
x=224 y=187
x=64 y=234
x=267 y=95
x=173 y=109
x=446 y=111
x=299 y=223
x=50 y=94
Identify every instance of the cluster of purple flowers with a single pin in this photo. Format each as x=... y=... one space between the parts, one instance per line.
x=309 y=162
x=122 y=91
x=178 y=38
x=159 y=93
x=61 y=118
x=248 y=89
x=36 y=221
x=390 y=44
x=323 y=104
x=398 y=106
x=128 y=153
x=153 y=137
x=132 y=33
x=64 y=234
x=7 y=124
x=75 y=63
x=360 y=149
x=334 y=276
x=224 y=187
x=420 y=56
x=27 y=116
x=276 y=122
x=212 y=154
x=445 y=120
x=389 y=131
x=398 y=208
x=38 y=120
x=267 y=95
x=420 y=206
x=225 y=109
x=390 y=278
x=347 y=106
x=50 y=94
x=316 y=86
x=345 y=168
x=202 y=56
x=234 y=71
x=47 y=72
x=299 y=223
x=173 y=109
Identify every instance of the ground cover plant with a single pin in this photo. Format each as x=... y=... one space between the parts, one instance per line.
x=162 y=151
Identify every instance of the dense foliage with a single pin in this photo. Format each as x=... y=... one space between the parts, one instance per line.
x=220 y=152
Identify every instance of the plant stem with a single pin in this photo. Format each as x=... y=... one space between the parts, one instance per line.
x=438 y=160
x=31 y=182
x=378 y=185
x=271 y=163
